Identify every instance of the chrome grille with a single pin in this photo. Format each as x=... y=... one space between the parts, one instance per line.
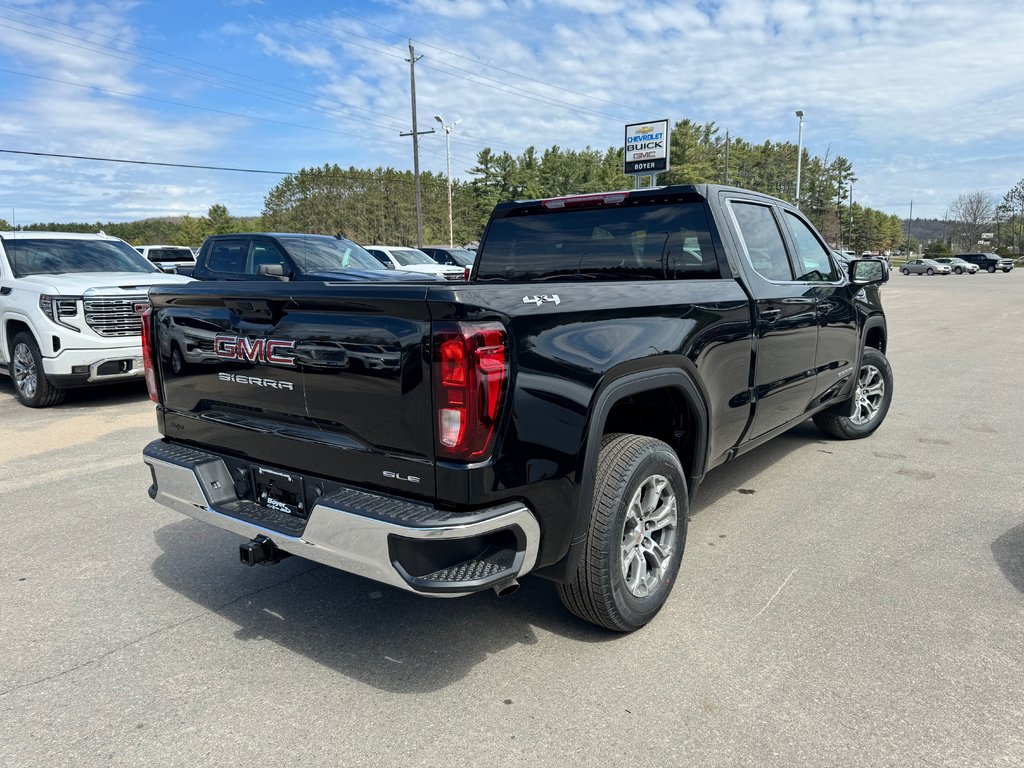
x=115 y=317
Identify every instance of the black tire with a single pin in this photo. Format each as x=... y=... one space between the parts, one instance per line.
x=930 y=271
x=992 y=270
x=599 y=592
x=177 y=360
x=31 y=386
x=959 y=270
x=852 y=427
x=905 y=271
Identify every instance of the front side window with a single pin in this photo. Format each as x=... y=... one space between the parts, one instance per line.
x=53 y=256
x=410 y=256
x=766 y=249
x=811 y=255
x=328 y=254
x=265 y=254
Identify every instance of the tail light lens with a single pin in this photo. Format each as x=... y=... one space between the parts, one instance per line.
x=470 y=379
x=147 y=354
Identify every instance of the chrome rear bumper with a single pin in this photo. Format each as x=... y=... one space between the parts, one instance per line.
x=350 y=530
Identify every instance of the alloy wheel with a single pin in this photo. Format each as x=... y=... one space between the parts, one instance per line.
x=649 y=536
x=869 y=395
x=26 y=375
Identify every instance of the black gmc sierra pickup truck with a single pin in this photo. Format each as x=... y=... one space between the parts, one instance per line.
x=553 y=415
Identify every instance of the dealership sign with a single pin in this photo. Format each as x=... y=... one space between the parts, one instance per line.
x=647 y=148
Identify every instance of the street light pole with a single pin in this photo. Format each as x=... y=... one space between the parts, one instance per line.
x=852 y=179
x=799 y=154
x=448 y=156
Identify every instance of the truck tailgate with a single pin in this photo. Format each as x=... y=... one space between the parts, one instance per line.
x=333 y=379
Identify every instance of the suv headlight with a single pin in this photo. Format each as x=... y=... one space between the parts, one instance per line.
x=57 y=307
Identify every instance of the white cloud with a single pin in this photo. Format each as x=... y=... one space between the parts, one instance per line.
x=919 y=95
x=314 y=57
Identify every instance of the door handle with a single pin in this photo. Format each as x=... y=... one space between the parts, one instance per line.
x=770 y=315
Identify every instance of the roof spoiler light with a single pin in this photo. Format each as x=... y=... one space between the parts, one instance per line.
x=584 y=201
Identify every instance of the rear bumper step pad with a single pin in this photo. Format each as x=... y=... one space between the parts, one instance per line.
x=350 y=529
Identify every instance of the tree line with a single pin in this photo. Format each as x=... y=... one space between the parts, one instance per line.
x=378 y=205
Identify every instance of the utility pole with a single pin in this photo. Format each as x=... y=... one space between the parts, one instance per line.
x=910 y=223
x=852 y=179
x=727 y=158
x=799 y=154
x=415 y=144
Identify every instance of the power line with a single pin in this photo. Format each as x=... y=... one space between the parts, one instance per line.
x=343 y=174
x=242 y=75
x=189 y=106
x=158 y=65
x=144 y=162
x=202 y=77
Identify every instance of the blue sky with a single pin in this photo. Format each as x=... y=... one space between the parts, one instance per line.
x=926 y=98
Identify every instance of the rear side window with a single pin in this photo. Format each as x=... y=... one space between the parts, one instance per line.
x=765 y=247
x=654 y=242
x=228 y=257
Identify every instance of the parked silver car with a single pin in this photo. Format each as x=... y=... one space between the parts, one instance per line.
x=958 y=265
x=925 y=267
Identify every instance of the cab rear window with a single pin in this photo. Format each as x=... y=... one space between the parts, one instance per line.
x=646 y=242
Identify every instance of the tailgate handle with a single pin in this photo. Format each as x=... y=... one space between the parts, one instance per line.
x=250 y=310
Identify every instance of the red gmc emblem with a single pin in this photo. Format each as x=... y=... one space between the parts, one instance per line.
x=139 y=307
x=254 y=350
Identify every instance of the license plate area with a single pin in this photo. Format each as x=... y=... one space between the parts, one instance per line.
x=280 y=491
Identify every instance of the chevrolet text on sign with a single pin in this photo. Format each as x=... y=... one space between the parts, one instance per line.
x=647 y=147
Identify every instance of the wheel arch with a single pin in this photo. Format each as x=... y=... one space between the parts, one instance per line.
x=875 y=333
x=12 y=326
x=610 y=406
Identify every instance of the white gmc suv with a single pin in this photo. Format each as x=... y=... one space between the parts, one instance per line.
x=70 y=311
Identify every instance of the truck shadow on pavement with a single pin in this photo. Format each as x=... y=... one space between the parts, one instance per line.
x=379 y=635
x=1008 y=551
x=376 y=634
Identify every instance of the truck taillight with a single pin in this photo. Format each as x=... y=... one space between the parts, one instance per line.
x=147 y=354
x=470 y=378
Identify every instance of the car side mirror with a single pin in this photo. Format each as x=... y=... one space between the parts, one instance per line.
x=868 y=271
x=271 y=270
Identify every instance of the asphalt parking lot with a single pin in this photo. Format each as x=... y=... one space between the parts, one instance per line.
x=840 y=603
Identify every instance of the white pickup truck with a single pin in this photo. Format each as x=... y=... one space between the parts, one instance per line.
x=70 y=311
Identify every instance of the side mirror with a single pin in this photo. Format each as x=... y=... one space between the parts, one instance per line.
x=868 y=272
x=271 y=270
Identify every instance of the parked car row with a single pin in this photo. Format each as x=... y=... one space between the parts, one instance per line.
x=448 y=262
x=967 y=263
x=71 y=304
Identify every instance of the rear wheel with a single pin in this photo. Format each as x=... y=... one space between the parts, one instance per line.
x=905 y=271
x=636 y=536
x=930 y=271
x=992 y=270
x=959 y=270
x=871 y=400
x=31 y=386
